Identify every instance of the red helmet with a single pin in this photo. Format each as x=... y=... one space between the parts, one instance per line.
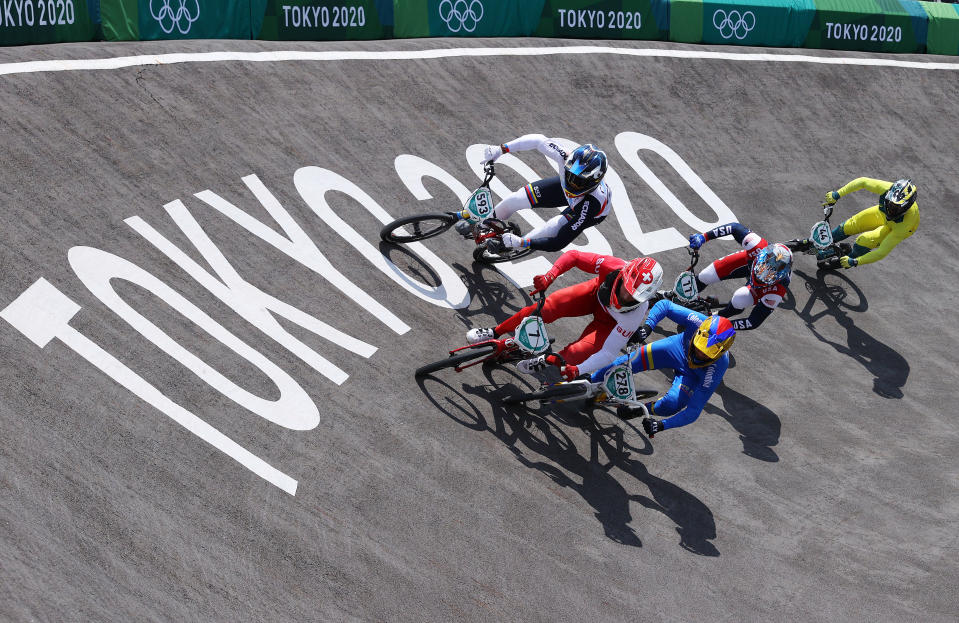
x=640 y=278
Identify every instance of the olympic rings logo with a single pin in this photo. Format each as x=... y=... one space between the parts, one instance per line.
x=461 y=14
x=735 y=24
x=168 y=18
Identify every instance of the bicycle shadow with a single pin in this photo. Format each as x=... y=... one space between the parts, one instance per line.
x=890 y=370
x=537 y=442
x=492 y=295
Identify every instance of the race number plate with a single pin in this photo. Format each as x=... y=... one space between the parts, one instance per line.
x=480 y=205
x=618 y=382
x=685 y=288
x=821 y=235
x=531 y=335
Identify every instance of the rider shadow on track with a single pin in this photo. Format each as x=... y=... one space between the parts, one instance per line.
x=538 y=443
x=490 y=294
x=889 y=369
x=758 y=427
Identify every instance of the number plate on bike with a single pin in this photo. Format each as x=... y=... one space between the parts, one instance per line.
x=531 y=335
x=821 y=235
x=480 y=205
x=685 y=288
x=618 y=383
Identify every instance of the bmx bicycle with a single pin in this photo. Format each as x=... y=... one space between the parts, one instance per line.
x=477 y=210
x=528 y=340
x=615 y=388
x=821 y=243
x=685 y=292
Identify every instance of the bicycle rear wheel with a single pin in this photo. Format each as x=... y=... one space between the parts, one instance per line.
x=563 y=390
x=417 y=227
x=482 y=255
x=458 y=358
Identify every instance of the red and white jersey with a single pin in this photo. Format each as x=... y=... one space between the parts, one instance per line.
x=610 y=330
x=771 y=295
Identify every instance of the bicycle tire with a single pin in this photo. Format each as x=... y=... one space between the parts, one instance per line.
x=481 y=255
x=643 y=394
x=556 y=391
x=461 y=357
x=436 y=224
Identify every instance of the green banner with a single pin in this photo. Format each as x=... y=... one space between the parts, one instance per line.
x=327 y=20
x=780 y=23
x=132 y=20
x=466 y=18
x=870 y=25
x=605 y=19
x=943 y=34
x=47 y=21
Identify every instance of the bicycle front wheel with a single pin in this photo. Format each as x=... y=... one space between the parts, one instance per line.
x=417 y=227
x=459 y=358
x=562 y=390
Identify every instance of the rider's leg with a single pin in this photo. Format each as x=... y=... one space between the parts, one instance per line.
x=575 y=300
x=742 y=298
x=870 y=218
x=549 y=229
x=590 y=341
x=868 y=241
x=724 y=268
x=539 y=194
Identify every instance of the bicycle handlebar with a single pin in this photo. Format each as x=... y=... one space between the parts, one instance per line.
x=693 y=258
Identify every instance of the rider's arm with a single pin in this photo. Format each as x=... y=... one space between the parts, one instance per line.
x=736 y=230
x=870 y=184
x=759 y=314
x=546 y=146
x=677 y=313
x=698 y=394
x=690 y=412
x=567 y=227
x=585 y=261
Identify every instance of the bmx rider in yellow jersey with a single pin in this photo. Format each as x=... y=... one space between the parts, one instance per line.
x=880 y=227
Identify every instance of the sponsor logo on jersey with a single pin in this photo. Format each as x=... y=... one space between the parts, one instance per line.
x=582 y=218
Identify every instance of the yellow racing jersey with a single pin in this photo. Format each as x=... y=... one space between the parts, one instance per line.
x=879 y=233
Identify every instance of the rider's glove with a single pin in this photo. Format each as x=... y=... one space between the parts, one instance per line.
x=652 y=426
x=641 y=334
x=570 y=372
x=541 y=282
x=831 y=198
x=512 y=241
x=491 y=153
x=848 y=262
x=697 y=240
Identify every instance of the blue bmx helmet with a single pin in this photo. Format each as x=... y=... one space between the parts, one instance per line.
x=773 y=264
x=585 y=169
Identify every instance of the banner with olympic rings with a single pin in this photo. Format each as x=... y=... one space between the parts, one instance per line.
x=143 y=20
x=466 y=18
x=780 y=23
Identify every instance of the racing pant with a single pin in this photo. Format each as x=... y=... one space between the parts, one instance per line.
x=574 y=301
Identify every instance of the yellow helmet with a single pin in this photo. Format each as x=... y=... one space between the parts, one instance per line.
x=713 y=338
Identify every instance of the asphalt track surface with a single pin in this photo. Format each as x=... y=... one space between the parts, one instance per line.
x=820 y=484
